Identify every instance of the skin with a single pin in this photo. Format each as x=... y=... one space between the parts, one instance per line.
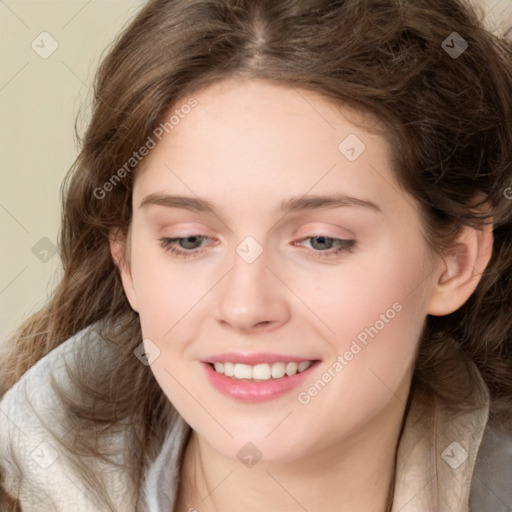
x=246 y=147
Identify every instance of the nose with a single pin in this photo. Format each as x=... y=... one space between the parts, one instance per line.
x=251 y=297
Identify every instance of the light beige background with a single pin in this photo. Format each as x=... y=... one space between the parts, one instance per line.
x=39 y=101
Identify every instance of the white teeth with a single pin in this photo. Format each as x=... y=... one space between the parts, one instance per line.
x=242 y=371
x=277 y=370
x=229 y=369
x=291 y=369
x=261 y=371
x=304 y=366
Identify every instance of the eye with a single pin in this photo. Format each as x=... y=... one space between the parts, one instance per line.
x=322 y=246
x=183 y=246
x=329 y=247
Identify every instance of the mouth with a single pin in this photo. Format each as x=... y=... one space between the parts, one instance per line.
x=267 y=378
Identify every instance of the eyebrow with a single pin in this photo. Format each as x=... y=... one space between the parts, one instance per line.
x=293 y=204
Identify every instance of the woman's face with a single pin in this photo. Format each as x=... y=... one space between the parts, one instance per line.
x=308 y=252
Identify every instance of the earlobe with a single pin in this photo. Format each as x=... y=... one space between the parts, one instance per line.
x=119 y=246
x=461 y=270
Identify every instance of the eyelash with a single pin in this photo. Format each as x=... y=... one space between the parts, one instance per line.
x=345 y=246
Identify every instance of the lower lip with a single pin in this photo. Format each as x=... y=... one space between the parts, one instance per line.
x=255 y=392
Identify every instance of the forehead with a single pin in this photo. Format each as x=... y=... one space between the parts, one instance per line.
x=263 y=139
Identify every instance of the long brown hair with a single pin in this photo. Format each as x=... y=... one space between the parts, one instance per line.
x=448 y=119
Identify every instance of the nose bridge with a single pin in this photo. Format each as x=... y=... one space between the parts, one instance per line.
x=248 y=297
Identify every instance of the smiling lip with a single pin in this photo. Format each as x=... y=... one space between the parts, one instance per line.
x=251 y=391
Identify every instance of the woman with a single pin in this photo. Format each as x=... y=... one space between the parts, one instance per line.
x=286 y=246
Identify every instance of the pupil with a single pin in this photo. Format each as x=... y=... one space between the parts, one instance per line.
x=322 y=240
x=189 y=240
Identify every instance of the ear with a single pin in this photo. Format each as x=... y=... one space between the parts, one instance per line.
x=461 y=270
x=120 y=250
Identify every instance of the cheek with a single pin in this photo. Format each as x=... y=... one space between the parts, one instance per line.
x=378 y=291
x=372 y=353
x=372 y=313
x=165 y=292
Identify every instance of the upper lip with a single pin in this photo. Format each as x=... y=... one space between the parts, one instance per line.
x=257 y=358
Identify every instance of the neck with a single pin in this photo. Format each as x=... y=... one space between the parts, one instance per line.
x=356 y=475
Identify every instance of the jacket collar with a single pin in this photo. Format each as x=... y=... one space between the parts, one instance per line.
x=439 y=446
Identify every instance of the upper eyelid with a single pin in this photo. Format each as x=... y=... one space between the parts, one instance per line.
x=316 y=230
